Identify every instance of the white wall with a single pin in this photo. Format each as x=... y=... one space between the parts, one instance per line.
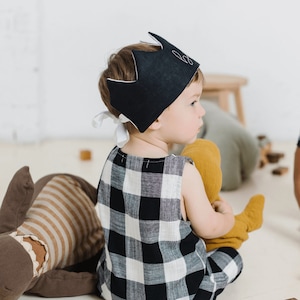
x=52 y=52
x=19 y=70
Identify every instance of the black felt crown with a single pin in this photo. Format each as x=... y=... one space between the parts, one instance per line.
x=161 y=76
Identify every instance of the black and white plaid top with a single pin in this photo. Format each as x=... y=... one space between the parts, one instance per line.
x=150 y=251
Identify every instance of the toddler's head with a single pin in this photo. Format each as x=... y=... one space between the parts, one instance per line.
x=143 y=79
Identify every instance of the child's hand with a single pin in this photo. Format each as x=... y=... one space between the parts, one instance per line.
x=221 y=206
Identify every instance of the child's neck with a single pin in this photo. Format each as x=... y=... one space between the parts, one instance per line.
x=145 y=146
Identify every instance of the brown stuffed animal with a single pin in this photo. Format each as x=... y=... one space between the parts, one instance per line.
x=50 y=237
x=206 y=157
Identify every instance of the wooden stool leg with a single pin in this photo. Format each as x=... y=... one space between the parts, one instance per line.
x=223 y=100
x=239 y=106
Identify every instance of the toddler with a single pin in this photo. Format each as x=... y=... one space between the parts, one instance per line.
x=153 y=206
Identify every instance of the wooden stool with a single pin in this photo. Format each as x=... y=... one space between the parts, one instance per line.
x=219 y=86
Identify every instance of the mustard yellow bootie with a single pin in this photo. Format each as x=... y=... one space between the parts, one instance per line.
x=250 y=219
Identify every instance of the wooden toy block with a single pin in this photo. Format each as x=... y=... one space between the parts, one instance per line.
x=280 y=170
x=265 y=146
x=273 y=157
x=85 y=155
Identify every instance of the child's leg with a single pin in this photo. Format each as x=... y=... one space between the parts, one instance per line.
x=224 y=265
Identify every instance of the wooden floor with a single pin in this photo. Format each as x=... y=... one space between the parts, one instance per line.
x=271 y=255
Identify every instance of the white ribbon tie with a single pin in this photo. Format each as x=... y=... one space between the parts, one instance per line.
x=121 y=133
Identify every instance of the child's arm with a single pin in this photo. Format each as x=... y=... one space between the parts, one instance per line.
x=207 y=222
x=297 y=175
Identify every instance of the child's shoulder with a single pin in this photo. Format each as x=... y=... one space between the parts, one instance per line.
x=179 y=162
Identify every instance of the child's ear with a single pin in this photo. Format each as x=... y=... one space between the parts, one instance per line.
x=155 y=125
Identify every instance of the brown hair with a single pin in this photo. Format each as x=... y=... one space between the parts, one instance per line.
x=121 y=66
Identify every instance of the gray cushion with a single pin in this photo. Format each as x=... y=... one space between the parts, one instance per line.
x=239 y=149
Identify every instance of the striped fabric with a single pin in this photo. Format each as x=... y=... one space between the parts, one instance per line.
x=65 y=219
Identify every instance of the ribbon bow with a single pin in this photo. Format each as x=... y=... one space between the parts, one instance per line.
x=121 y=133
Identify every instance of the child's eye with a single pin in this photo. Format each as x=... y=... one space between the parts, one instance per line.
x=194 y=102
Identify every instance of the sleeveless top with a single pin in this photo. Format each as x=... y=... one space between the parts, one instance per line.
x=150 y=251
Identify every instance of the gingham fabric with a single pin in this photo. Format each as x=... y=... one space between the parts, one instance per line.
x=150 y=251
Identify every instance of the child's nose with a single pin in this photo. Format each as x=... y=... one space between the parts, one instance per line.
x=202 y=111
